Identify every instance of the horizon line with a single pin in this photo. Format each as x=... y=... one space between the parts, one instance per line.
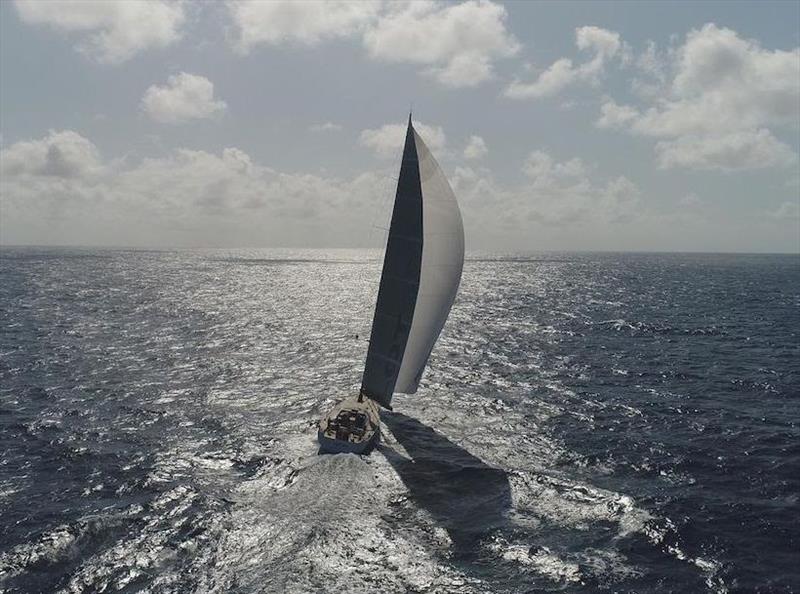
x=473 y=251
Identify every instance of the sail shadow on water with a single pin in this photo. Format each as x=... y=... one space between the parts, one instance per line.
x=464 y=495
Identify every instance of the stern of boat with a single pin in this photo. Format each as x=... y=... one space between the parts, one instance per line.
x=352 y=426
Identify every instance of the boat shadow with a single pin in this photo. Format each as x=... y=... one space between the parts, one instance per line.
x=466 y=496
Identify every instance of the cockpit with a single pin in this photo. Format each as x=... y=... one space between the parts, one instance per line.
x=349 y=425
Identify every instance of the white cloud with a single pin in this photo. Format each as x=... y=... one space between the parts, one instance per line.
x=458 y=43
x=185 y=97
x=42 y=180
x=476 y=148
x=744 y=149
x=326 y=127
x=550 y=82
x=110 y=32
x=652 y=62
x=616 y=116
x=309 y=22
x=721 y=105
x=565 y=192
x=186 y=196
x=387 y=141
x=227 y=198
x=199 y=197
x=555 y=193
x=604 y=44
x=60 y=154
x=653 y=67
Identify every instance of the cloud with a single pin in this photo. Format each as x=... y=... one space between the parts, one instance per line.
x=554 y=194
x=196 y=197
x=45 y=179
x=565 y=192
x=227 y=198
x=652 y=66
x=476 y=148
x=719 y=107
x=326 y=127
x=387 y=141
x=745 y=149
x=110 y=32
x=604 y=44
x=310 y=22
x=185 y=196
x=60 y=154
x=185 y=97
x=457 y=42
x=616 y=116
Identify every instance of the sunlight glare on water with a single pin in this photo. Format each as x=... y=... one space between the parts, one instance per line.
x=593 y=422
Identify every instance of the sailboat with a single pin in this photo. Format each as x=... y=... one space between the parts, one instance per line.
x=421 y=273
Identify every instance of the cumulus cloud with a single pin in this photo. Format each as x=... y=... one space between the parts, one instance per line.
x=231 y=184
x=185 y=97
x=554 y=194
x=616 y=116
x=44 y=179
x=60 y=154
x=602 y=43
x=110 y=32
x=565 y=192
x=720 y=106
x=456 y=44
x=744 y=149
x=188 y=192
x=306 y=23
x=387 y=141
x=476 y=148
x=196 y=197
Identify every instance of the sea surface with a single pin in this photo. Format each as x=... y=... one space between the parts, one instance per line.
x=588 y=423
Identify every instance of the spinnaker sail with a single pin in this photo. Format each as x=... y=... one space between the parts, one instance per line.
x=421 y=273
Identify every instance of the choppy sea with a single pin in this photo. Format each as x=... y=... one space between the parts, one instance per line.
x=588 y=423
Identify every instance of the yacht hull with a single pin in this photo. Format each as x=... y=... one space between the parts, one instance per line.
x=352 y=426
x=337 y=446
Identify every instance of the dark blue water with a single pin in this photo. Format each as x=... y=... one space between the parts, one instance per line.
x=588 y=423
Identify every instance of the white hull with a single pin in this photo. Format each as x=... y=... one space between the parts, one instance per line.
x=351 y=427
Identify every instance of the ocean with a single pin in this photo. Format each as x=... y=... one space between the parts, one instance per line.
x=590 y=422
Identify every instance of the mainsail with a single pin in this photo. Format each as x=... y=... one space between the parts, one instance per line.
x=420 y=278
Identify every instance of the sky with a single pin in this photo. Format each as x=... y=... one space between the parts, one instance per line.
x=561 y=126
